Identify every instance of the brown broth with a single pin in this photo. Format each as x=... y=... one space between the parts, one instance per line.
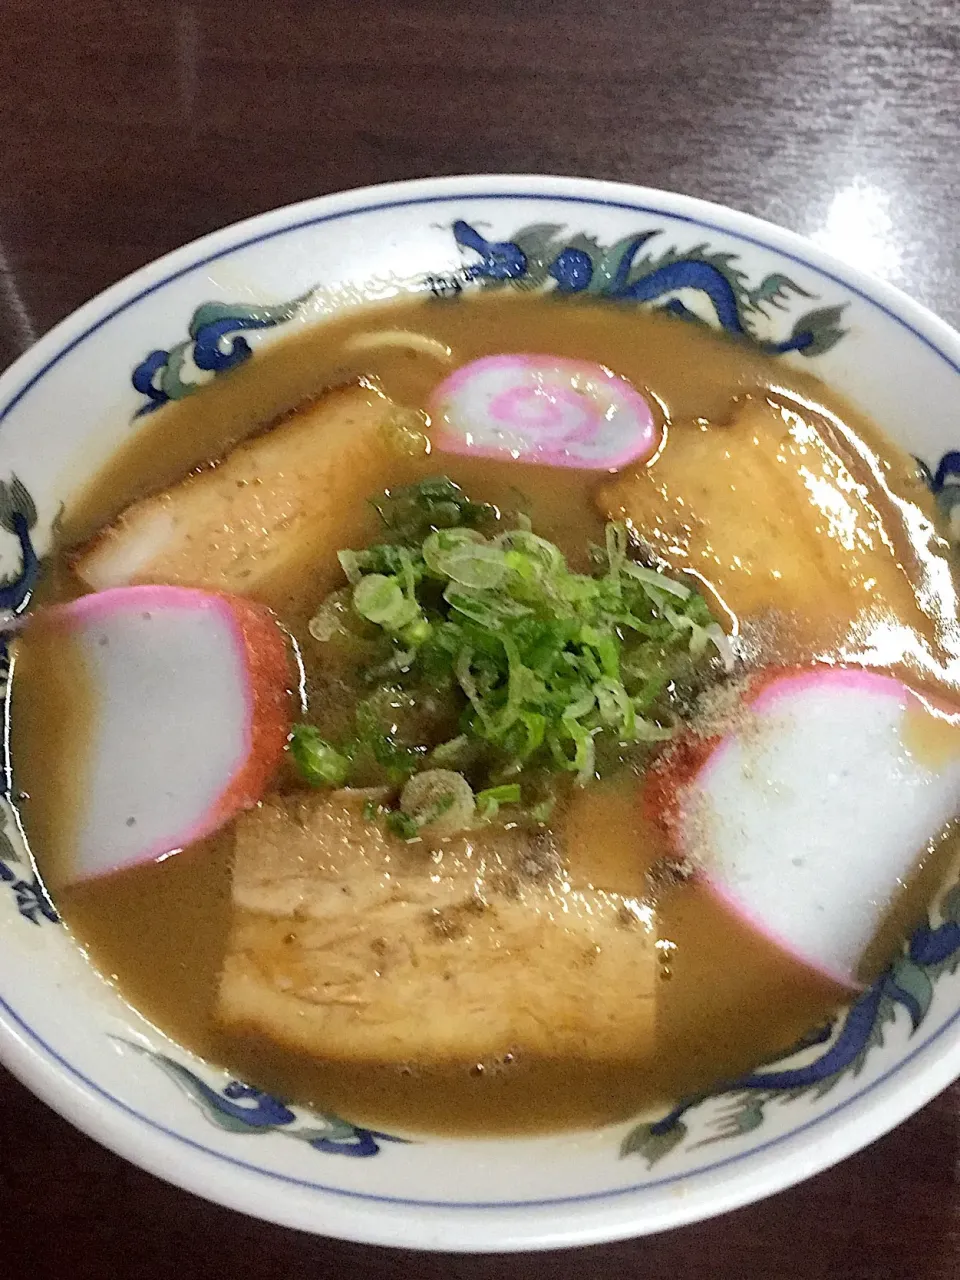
x=726 y=998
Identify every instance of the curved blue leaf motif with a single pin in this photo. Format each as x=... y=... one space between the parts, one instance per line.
x=535 y=255
x=842 y=1054
x=619 y=282
x=910 y=986
x=653 y=1142
x=214 y=346
x=210 y=355
x=947 y=467
x=945 y=485
x=934 y=946
x=262 y=1111
x=685 y=274
x=241 y=1108
x=499 y=260
x=30 y=895
x=18 y=516
x=359 y=1143
x=909 y=982
x=143 y=378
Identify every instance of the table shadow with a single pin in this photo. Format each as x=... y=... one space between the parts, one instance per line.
x=891 y=1212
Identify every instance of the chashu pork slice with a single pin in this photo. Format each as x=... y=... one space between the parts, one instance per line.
x=350 y=945
x=779 y=515
x=243 y=524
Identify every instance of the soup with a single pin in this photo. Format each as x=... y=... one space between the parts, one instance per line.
x=539 y=942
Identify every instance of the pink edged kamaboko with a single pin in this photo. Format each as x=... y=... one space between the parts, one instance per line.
x=809 y=814
x=190 y=712
x=543 y=409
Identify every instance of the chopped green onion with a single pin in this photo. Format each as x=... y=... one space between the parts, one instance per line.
x=329 y=619
x=451 y=753
x=548 y=670
x=350 y=564
x=381 y=600
x=402 y=825
x=490 y=800
x=319 y=763
x=442 y=543
x=439 y=799
x=508 y=793
x=651 y=578
x=413 y=511
x=721 y=642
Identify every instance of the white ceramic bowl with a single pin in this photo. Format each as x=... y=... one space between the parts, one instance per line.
x=71 y=399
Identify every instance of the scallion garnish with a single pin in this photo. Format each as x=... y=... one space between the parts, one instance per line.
x=545 y=668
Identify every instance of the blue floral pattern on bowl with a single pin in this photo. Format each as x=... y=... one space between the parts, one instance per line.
x=908 y=982
x=545 y=256
x=243 y=1109
x=29 y=894
x=535 y=257
x=214 y=346
x=18 y=516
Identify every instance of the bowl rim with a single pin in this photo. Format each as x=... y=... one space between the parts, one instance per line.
x=107 y=1119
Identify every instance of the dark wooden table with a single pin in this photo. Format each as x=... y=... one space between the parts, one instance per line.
x=129 y=128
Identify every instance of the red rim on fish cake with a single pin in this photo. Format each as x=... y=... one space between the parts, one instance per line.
x=190 y=715
x=815 y=807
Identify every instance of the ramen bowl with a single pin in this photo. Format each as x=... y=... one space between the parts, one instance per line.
x=191 y=318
